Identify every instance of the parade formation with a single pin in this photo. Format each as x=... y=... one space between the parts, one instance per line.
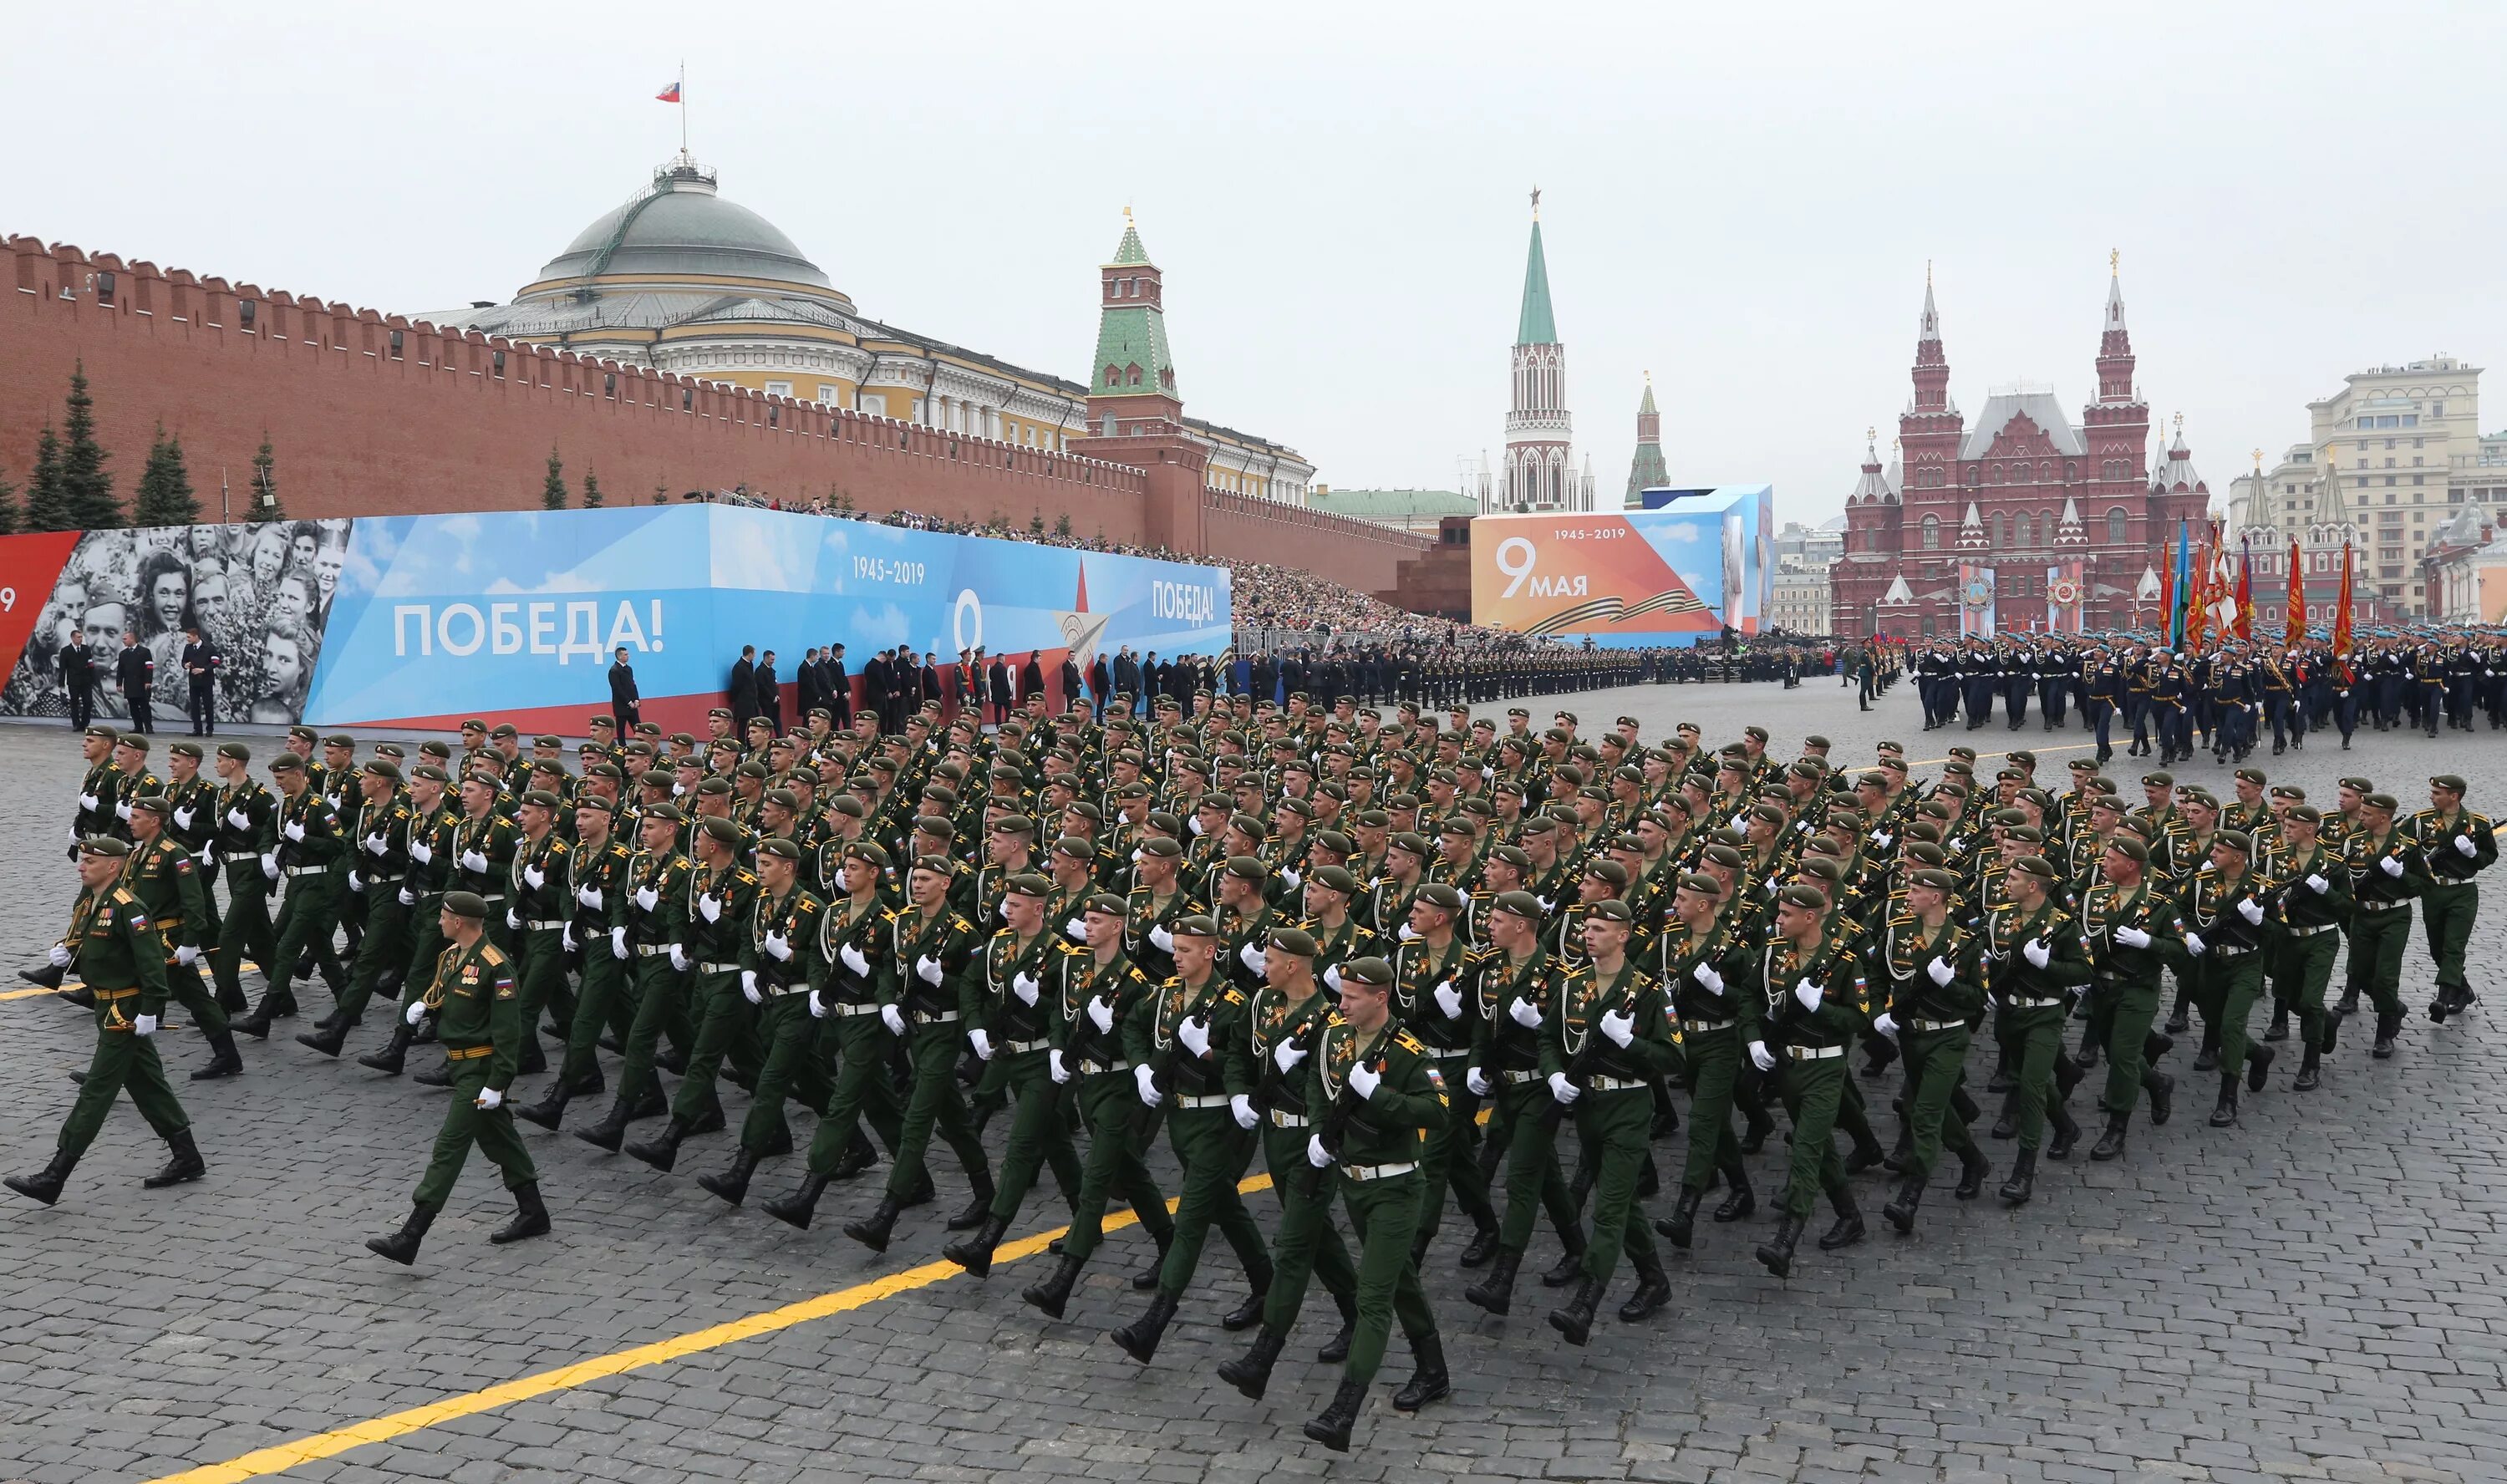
x=1548 y=980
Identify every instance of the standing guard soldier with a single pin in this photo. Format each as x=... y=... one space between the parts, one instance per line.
x=2386 y=871
x=479 y=1021
x=780 y=971
x=1933 y=970
x=2457 y=844
x=168 y=881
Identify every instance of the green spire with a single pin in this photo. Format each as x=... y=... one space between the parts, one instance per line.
x=1647 y=409
x=1132 y=355
x=1536 y=327
x=1131 y=252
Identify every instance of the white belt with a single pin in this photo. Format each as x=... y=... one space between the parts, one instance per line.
x=2380 y=909
x=718 y=968
x=1814 y=1053
x=651 y=950
x=1098 y=1069
x=1377 y=1171
x=1702 y=1026
x=305 y=870
x=935 y=1017
x=492 y=897
x=2033 y=1005
x=1612 y=1084
x=1016 y=1048
x=2234 y=952
x=540 y=925
x=1938 y=1024
x=2308 y=932
x=847 y=1012
x=1281 y=1120
x=1518 y=1078
x=777 y=992
x=1213 y=1099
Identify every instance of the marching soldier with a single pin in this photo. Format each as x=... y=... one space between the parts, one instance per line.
x=2455 y=845
x=1512 y=989
x=2386 y=872
x=1934 y=973
x=780 y=971
x=168 y=881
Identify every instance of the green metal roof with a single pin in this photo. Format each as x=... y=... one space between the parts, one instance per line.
x=1132 y=336
x=1537 y=326
x=1376 y=504
x=1131 y=253
x=1646 y=408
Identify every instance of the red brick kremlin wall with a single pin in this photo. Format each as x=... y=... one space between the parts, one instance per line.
x=371 y=414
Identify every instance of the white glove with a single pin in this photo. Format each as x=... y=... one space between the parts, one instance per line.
x=1623 y=1028
x=269 y=865
x=1332 y=979
x=1024 y=987
x=707 y=907
x=1408 y=932
x=1364 y=1079
x=565 y=937
x=2316 y=883
x=2465 y=848
x=1760 y=1057
x=982 y=1042
x=1524 y=1012
x=490 y=1098
x=2391 y=865
x=1251 y=957
x=928 y=969
x=1475 y=1081
x=415 y=1012
x=421 y=852
x=1958 y=847
x=1316 y=1154
x=678 y=959
x=648 y=898
x=1287 y=1055
x=1564 y=1091
x=1707 y=978
x=2252 y=911
x=1242 y=1108
x=590 y=896
x=1194 y=1035
x=2133 y=937
x=237 y=819
x=1450 y=1000
x=1885 y=1023
x=894 y=1019
x=1101 y=1014
x=407 y=898
x=187 y=955
x=748 y=986
x=2193 y=944
x=1294 y=880
x=534 y=876
x=852 y=957
x=514 y=919
x=474 y=862
x=2036 y=952
x=1146 y=1078
x=90 y=803
x=618 y=944
x=122 y=809
x=294 y=830
x=356 y=883
x=145 y=1024
x=780 y=945
x=817 y=1006
x=1941 y=970
x=1808 y=994
x=183 y=817
x=1053 y=1063
x=1162 y=940
x=377 y=845
x=1075 y=929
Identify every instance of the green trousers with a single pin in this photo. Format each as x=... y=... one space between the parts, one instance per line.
x=605 y=1001
x=932 y=1104
x=2301 y=968
x=383 y=948
x=726 y=1028
x=1935 y=1062
x=426 y=943
x=1452 y=1159
x=1214 y=1154
x=2130 y=1010
x=1812 y=1091
x=185 y=986
x=787 y=1066
x=465 y=1123
x=246 y=931
x=2378 y=940
x=2446 y=914
x=660 y=995
x=1616 y=1125
x=539 y=982
x=1109 y=1106
x=307 y=915
x=859 y=1089
x=1518 y=1117
x=2226 y=991
x=1714 y=1060
x=2031 y=1041
x=1384 y=1215
x=1319 y=1252
x=1039 y=1134
x=124 y=1058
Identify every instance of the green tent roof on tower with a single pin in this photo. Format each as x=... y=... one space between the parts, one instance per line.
x=1131 y=339
x=1536 y=326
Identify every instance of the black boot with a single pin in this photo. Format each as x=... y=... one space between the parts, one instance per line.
x=1576 y=1320
x=1677 y=1227
x=2386 y=1026
x=2178 y=1022
x=1848 y=1229
x=550 y=1110
x=662 y=1151
x=732 y=1185
x=2224 y=1112
x=2004 y=1079
x=2258 y=1060
x=979 y=1205
x=46 y=1184
x=1247 y=1314
x=394 y=1053
x=859 y=1157
x=1332 y=1428
x=2331 y=1031
x=2067 y=1131
x=612 y=1131
x=401 y=1247
x=1496 y=1291
x=1570 y=1264
x=2022 y=1183
x=225 y=1060
x=438 y=1075
x=2111 y=1142
x=873 y=1231
x=1336 y=1349
x=43 y=975
x=1052 y=1294
x=530 y=1217
x=1147 y=1278
x=327 y=1038
x=1755 y=1129
x=1973 y=1167
x=974 y=1252
x=1251 y=1372
x=1482 y=1245
x=1429 y=1383
x=1901 y=1210
x=2162 y=1096
x=1139 y=1338
x=2306 y=1076
x=186 y=1166
x=2008 y=1125
x=1776 y=1253
x=1741 y=1202
x=793 y=1210
x=2279 y=1031
x=1898 y=1161
x=1653 y=1290
x=256 y=1024
x=2089 y=1057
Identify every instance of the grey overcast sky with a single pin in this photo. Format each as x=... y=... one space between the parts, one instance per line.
x=1740 y=198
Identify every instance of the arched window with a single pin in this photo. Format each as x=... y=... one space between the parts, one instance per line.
x=2118 y=526
x=1973 y=474
x=1932 y=534
x=2071 y=470
x=1113 y=376
x=2046 y=471
x=1994 y=475
x=2005 y=542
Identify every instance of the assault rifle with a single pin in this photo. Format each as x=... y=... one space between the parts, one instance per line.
x=1333 y=1127
x=1597 y=1046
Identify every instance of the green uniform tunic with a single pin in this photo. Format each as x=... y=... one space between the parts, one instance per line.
x=1614 y=1107
x=479 y=1021
x=1934 y=1021
x=1101 y=1072
x=1006 y=1001
x=168 y=885
x=1195 y=1092
x=118 y=951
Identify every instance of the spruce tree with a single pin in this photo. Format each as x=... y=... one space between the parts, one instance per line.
x=89 y=489
x=8 y=508
x=553 y=490
x=47 y=503
x=164 y=496
x=263 y=502
x=591 y=491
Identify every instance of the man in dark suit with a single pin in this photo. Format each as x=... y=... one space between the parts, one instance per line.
x=623 y=695
x=770 y=693
x=1100 y=685
x=1030 y=678
x=932 y=687
x=997 y=685
x=904 y=687
x=875 y=684
x=1127 y=674
x=742 y=694
x=1071 y=685
x=806 y=697
x=201 y=672
x=838 y=685
x=78 y=679
x=134 y=670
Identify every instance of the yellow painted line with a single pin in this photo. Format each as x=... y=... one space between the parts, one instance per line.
x=279 y=1457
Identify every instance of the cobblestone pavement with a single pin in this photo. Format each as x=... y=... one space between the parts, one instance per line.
x=2321 y=1293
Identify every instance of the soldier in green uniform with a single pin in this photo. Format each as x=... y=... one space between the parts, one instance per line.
x=307 y=857
x=2386 y=871
x=2457 y=844
x=1381 y=1098
x=2134 y=935
x=2223 y=916
x=1932 y=974
x=168 y=885
x=245 y=837
x=478 y=1019
x=117 y=950
x=597 y=871
x=1512 y=989
x=378 y=844
x=2311 y=896
x=427 y=839
x=780 y=970
x=1811 y=996
x=721 y=894
x=2035 y=961
x=1705 y=970
x=538 y=909
x=1431 y=983
x=1006 y=1020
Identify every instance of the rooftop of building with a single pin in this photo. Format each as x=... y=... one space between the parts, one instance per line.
x=1377 y=504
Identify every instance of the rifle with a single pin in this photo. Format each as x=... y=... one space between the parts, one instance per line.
x=1581 y=1065
x=1162 y=1069
x=1333 y=1127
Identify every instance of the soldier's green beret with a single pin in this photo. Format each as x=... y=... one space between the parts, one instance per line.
x=2026 y=834
x=1569 y=773
x=2288 y=791
x=2035 y=865
x=1892 y=764
x=1076 y=847
x=1194 y=926
x=1521 y=904
x=1334 y=842
x=2253 y=776
x=1611 y=871
x=716 y=784
x=751 y=769
x=1872 y=780
x=1963 y=753
x=541 y=798
x=1162 y=846
x=609 y=771
x=1247 y=868
x=466 y=904
x=1825 y=867
x=2024 y=757
x=1700 y=883
x=1725 y=856
x=392 y=750
x=1410 y=845
x=1611 y=910
x=2307 y=812
x=1806 y=769
x=2085 y=765
x=2385 y=800
x=1514 y=856
x=287 y=762
x=1768 y=813
x=847 y=805
x=1936 y=877
x=430 y=773
x=1296 y=941
x=1899 y=747
x=105 y=731
x=305 y=734
x=2136 y=824
x=1816 y=741
x=867 y=849
x=1334 y=878
x=1926 y=852
x=938 y=865
x=156 y=804
x=2108 y=802
x=1107 y=904
x=1632 y=844
x=880 y=763
x=2161 y=779
x=1810 y=897
x=1166 y=822
x=505 y=729
x=549 y=765
x=720 y=830
x=665 y=811
x=1249 y=826
x=1027 y=883
x=2131 y=849
x=384 y=768
x=1082 y=808
x=2237 y=840
x=1014 y=824
x=1371 y=971
x=2357 y=785
x=190 y=750
x=783 y=796
x=781 y=846
x=473 y=724
x=1438 y=894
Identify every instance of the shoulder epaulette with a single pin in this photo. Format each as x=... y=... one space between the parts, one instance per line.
x=492 y=953
x=1408 y=1042
x=1001 y=933
x=122 y=894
